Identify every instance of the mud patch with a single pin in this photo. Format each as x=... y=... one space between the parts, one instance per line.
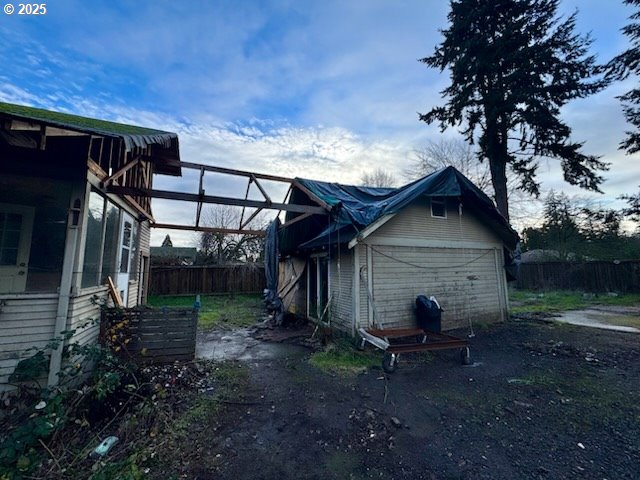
x=241 y=345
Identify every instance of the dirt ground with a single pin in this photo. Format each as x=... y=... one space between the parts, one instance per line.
x=542 y=400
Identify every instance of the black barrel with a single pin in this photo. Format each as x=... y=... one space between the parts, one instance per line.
x=428 y=314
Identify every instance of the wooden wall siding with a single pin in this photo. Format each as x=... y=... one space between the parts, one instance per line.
x=26 y=321
x=207 y=279
x=158 y=335
x=341 y=284
x=465 y=292
x=145 y=238
x=363 y=318
x=132 y=299
x=595 y=277
x=84 y=314
x=416 y=222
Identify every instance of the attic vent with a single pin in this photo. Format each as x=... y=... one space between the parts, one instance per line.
x=438 y=207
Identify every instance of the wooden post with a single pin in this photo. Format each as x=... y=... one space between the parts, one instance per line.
x=66 y=281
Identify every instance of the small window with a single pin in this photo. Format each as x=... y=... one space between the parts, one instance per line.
x=438 y=207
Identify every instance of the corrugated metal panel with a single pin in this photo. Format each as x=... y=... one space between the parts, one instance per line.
x=415 y=221
x=27 y=321
x=341 y=281
x=466 y=282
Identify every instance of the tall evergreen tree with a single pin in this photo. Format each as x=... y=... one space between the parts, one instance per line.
x=621 y=67
x=513 y=64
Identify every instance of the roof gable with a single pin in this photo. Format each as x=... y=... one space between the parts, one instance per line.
x=356 y=208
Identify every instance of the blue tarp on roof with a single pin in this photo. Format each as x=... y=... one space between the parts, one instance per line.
x=355 y=208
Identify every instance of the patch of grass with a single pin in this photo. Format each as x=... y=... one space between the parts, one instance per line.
x=557 y=301
x=342 y=357
x=231 y=374
x=217 y=310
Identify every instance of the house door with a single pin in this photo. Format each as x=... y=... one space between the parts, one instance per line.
x=124 y=255
x=16 y=223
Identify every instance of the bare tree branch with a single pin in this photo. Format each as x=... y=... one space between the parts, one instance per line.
x=378 y=178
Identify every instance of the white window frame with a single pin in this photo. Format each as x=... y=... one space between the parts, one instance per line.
x=440 y=201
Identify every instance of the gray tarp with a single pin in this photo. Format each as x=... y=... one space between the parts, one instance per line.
x=271 y=255
x=271 y=261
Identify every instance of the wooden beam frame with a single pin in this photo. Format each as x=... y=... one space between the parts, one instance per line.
x=231 y=171
x=124 y=169
x=193 y=228
x=136 y=194
x=255 y=176
x=311 y=195
x=264 y=194
x=251 y=217
x=296 y=220
x=193 y=197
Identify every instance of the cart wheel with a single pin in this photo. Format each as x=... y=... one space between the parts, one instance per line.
x=465 y=356
x=389 y=362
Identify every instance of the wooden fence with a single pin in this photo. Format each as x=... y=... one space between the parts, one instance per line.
x=151 y=335
x=207 y=279
x=621 y=276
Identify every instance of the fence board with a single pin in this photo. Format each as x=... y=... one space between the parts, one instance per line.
x=621 y=276
x=194 y=279
x=157 y=335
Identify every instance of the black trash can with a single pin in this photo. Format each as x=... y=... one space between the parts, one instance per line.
x=428 y=314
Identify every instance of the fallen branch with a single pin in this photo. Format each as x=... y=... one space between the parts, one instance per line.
x=53 y=457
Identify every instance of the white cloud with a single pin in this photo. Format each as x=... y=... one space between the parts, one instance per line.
x=326 y=89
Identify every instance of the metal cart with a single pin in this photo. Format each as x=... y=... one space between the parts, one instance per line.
x=395 y=341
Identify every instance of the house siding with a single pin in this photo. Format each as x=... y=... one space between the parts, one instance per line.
x=26 y=321
x=363 y=275
x=133 y=292
x=416 y=223
x=456 y=259
x=84 y=314
x=145 y=238
x=465 y=282
x=341 y=285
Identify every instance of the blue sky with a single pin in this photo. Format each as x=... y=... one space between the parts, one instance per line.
x=321 y=89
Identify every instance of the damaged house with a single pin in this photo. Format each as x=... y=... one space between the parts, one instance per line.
x=69 y=220
x=363 y=264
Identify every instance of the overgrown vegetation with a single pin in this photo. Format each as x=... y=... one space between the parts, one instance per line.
x=217 y=310
x=558 y=301
x=53 y=432
x=38 y=415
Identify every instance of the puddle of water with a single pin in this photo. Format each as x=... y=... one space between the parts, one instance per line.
x=598 y=319
x=240 y=345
